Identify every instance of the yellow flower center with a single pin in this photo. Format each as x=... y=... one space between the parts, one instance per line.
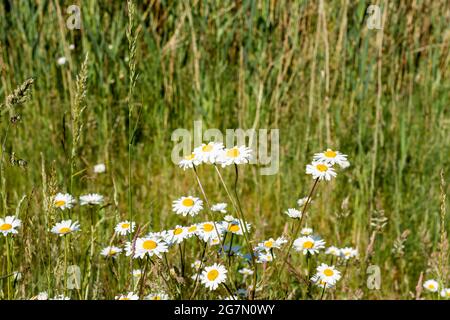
x=234 y=228
x=308 y=244
x=190 y=157
x=321 y=167
x=208 y=227
x=125 y=225
x=156 y=298
x=188 y=202
x=149 y=245
x=268 y=244
x=192 y=229
x=212 y=275
x=431 y=286
x=64 y=230
x=59 y=203
x=5 y=227
x=328 y=272
x=112 y=252
x=177 y=231
x=330 y=154
x=233 y=153
x=207 y=148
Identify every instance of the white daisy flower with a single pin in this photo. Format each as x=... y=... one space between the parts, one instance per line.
x=71 y=46
x=125 y=227
x=91 y=199
x=213 y=275
x=229 y=218
x=42 y=296
x=207 y=231
x=235 y=226
x=219 y=207
x=187 y=205
x=301 y=202
x=306 y=231
x=321 y=283
x=65 y=227
x=271 y=244
x=309 y=244
x=129 y=296
x=332 y=157
x=328 y=274
x=208 y=153
x=246 y=272
x=192 y=230
x=61 y=61
x=99 y=168
x=294 y=213
x=64 y=201
x=177 y=235
x=334 y=251
x=320 y=170
x=348 y=253
x=157 y=296
x=431 y=285
x=214 y=241
x=264 y=256
x=445 y=293
x=196 y=264
x=235 y=155
x=149 y=246
x=189 y=162
x=9 y=224
x=137 y=273
x=111 y=252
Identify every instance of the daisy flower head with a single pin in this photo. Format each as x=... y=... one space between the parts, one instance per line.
x=111 y=252
x=264 y=256
x=321 y=283
x=309 y=244
x=306 y=231
x=91 y=199
x=129 y=296
x=61 y=61
x=9 y=224
x=328 y=274
x=208 y=153
x=189 y=162
x=196 y=264
x=294 y=213
x=235 y=155
x=192 y=230
x=137 y=273
x=348 y=253
x=334 y=251
x=213 y=275
x=42 y=296
x=149 y=246
x=125 y=227
x=246 y=272
x=64 y=201
x=332 y=157
x=157 y=296
x=219 y=207
x=320 y=170
x=207 y=231
x=302 y=201
x=65 y=227
x=187 y=205
x=271 y=244
x=214 y=241
x=445 y=293
x=431 y=285
x=177 y=235
x=236 y=226
x=100 y=168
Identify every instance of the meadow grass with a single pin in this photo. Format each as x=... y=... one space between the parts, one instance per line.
x=311 y=69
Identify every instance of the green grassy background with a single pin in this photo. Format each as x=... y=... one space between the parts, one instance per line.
x=311 y=69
